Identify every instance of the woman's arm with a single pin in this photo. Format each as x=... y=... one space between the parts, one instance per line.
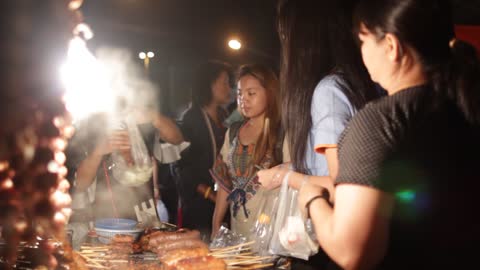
x=354 y=233
x=87 y=169
x=221 y=206
x=331 y=111
x=168 y=130
x=272 y=178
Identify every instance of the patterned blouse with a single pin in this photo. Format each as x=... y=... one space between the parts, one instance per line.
x=235 y=172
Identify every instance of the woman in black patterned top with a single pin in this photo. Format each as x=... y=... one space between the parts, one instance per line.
x=406 y=190
x=202 y=124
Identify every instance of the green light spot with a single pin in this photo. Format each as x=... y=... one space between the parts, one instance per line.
x=405 y=195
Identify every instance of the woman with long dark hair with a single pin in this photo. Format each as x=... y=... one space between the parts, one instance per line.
x=406 y=190
x=323 y=82
x=203 y=126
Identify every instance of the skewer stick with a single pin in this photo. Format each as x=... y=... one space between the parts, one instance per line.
x=92 y=251
x=88 y=260
x=93 y=248
x=97 y=266
x=231 y=252
x=243 y=255
x=99 y=255
x=233 y=247
x=170 y=224
x=248 y=260
x=109 y=260
x=250 y=257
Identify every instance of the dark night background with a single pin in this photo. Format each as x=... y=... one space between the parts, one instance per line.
x=184 y=33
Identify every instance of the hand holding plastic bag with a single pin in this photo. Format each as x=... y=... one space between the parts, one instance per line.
x=290 y=237
x=134 y=167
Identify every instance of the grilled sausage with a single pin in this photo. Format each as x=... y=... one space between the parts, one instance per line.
x=157 y=239
x=200 y=263
x=164 y=247
x=171 y=257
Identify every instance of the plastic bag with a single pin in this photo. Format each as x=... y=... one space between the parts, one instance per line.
x=226 y=238
x=134 y=167
x=290 y=237
x=262 y=230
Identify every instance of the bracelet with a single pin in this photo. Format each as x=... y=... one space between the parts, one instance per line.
x=324 y=196
x=207 y=192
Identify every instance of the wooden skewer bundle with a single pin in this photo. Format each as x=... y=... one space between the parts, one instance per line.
x=236 y=257
x=97 y=257
x=241 y=257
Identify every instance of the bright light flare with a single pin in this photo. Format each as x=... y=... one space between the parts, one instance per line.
x=4 y=165
x=86 y=82
x=60 y=158
x=75 y=4
x=234 y=44
x=83 y=29
x=6 y=184
x=150 y=54
x=58 y=144
x=53 y=166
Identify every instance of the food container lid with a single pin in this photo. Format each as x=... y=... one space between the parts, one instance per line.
x=115 y=224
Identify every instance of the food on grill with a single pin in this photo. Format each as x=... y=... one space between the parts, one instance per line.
x=121 y=249
x=164 y=247
x=171 y=257
x=200 y=263
x=158 y=238
x=181 y=249
x=122 y=238
x=77 y=262
x=142 y=266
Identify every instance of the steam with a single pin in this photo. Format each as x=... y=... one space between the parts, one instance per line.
x=109 y=83
x=131 y=88
x=101 y=91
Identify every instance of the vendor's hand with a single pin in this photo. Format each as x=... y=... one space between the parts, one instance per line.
x=144 y=115
x=307 y=192
x=116 y=141
x=272 y=178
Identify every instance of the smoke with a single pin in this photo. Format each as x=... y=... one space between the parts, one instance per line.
x=130 y=92
x=130 y=86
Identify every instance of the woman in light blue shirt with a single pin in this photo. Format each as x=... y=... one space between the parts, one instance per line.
x=323 y=81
